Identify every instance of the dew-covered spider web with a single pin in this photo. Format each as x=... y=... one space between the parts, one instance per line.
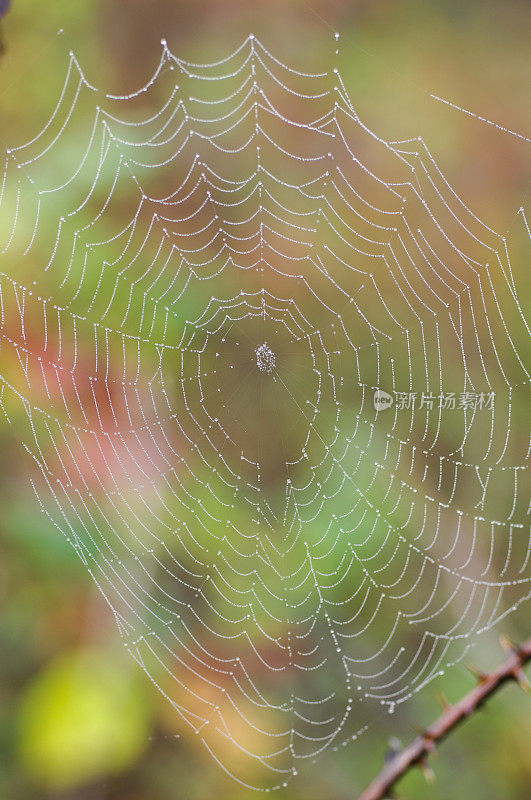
x=270 y=380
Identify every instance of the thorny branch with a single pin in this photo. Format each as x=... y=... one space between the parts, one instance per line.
x=453 y=715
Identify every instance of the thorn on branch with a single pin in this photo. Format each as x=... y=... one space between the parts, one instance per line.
x=417 y=753
x=480 y=676
x=509 y=646
x=426 y=770
x=443 y=701
x=394 y=746
x=522 y=681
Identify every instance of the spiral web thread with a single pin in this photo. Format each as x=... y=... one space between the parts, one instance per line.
x=284 y=560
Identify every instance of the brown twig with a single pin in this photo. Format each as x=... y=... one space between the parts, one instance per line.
x=418 y=751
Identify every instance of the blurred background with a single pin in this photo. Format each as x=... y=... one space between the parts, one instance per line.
x=78 y=720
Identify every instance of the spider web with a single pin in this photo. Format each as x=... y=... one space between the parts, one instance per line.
x=233 y=271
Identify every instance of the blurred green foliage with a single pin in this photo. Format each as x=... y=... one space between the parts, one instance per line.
x=82 y=717
x=78 y=722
